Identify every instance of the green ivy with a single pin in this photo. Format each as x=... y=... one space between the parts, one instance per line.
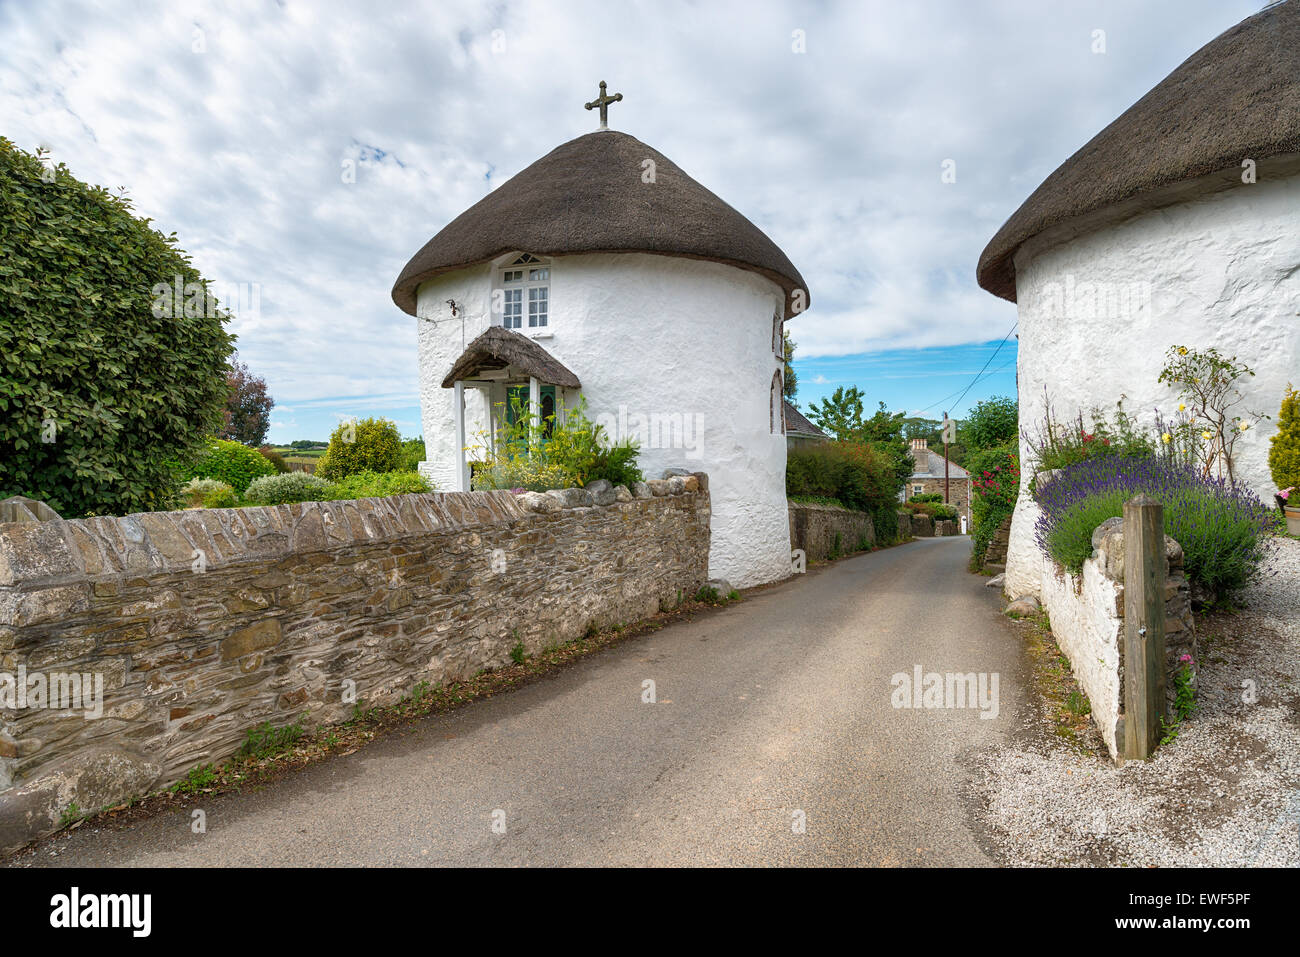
x=102 y=402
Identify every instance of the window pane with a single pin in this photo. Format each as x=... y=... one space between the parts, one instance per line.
x=513 y=309
x=514 y=275
x=536 y=274
x=537 y=301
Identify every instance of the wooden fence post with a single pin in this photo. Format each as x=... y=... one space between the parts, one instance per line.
x=1144 y=626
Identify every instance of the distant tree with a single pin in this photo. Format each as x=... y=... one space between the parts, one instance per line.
x=842 y=417
x=247 y=416
x=992 y=423
x=791 y=381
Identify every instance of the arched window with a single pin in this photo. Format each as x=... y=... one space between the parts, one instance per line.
x=777 y=411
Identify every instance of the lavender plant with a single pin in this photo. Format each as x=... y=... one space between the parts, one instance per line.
x=1224 y=528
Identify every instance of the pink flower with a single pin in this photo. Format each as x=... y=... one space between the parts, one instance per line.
x=1185 y=658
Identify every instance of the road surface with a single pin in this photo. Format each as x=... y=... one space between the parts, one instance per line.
x=773 y=740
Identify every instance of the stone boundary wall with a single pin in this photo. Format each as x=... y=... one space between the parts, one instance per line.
x=203 y=624
x=814 y=529
x=1087 y=616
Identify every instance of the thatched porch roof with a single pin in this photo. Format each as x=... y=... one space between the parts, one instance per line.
x=499 y=348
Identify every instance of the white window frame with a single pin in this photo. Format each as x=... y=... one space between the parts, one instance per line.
x=525 y=264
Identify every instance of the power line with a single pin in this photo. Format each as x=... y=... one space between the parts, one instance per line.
x=979 y=375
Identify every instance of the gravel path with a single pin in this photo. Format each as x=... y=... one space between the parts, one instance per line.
x=1226 y=792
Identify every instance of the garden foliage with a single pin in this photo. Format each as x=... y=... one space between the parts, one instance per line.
x=1224 y=529
x=230 y=462
x=368 y=445
x=1284 y=449
x=103 y=396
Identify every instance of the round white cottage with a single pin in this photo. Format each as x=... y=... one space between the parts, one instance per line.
x=603 y=273
x=1178 y=224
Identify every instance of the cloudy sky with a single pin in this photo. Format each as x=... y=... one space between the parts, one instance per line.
x=235 y=124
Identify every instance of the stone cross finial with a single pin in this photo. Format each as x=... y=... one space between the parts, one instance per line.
x=603 y=102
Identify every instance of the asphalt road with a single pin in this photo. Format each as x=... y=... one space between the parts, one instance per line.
x=772 y=712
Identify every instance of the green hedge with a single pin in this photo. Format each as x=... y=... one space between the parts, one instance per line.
x=107 y=387
x=371 y=445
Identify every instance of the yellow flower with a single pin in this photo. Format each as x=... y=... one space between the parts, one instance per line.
x=1182 y=350
x=1166 y=438
x=1244 y=426
x=1207 y=436
x=1182 y=407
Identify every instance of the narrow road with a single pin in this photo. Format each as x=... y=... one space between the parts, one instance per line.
x=777 y=705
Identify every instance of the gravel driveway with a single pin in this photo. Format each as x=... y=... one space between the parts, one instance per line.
x=1225 y=792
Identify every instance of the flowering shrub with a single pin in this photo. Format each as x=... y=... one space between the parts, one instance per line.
x=1223 y=528
x=208 y=493
x=537 y=455
x=1058 y=444
x=995 y=487
x=1207 y=384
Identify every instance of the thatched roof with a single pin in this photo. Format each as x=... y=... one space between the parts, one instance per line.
x=1236 y=98
x=587 y=196
x=498 y=348
x=796 y=423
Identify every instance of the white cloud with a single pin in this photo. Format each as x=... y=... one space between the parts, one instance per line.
x=835 y=153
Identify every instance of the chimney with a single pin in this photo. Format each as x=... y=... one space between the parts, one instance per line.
x=921 y=455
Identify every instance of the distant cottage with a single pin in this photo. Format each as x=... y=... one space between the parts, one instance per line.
x=1178 y=224
x=931 y=477
x=603 y=272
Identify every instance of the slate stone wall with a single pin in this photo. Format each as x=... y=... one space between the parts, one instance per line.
x=203 y=624
x=814 y=528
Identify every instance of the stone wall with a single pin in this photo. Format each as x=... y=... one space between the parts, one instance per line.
x=958 y=491
x=203 y=624
x=1087 y=616
x=817 y=528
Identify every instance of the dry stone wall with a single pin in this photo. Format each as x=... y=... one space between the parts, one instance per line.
x=827 y=531
x=200 y=625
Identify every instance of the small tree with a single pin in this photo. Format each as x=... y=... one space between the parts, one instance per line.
x=248 y=409
x=992 y=423
x=1284 y=450
x=371 y=445
x=1208 y=382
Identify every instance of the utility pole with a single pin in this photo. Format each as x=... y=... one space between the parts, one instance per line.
x=945 y=458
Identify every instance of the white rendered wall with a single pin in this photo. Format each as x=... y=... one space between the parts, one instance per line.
x=684 y=344
x=1222 y=270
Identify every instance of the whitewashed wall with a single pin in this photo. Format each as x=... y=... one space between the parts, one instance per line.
x=1222 y=270
x=1087 y=624
x=686 y=341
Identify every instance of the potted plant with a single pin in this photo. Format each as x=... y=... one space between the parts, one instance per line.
x=1291 y=509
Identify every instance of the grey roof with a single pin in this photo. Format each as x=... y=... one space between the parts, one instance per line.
x=498 y=347
x=796 y=423
x=587 y=196
x=1236 y=98
x=934 y=467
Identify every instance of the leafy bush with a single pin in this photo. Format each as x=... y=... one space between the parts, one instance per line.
x=413 y=453
x=275 y=458
x=1284 y=449
x=208 y=493
x=371 y=445
x=1057 y=444
x=1223 y=528
x=574 y=453
x=236 y=465
x=855 y=474
x=995 y=488
x=928 y=497
x=289 y=487
x=380 y=484
x=936 y=510
x=106 y=386
x=992 y=423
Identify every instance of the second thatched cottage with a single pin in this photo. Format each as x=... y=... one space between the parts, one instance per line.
x=603 y=271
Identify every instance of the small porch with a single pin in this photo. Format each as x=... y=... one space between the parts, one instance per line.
x=506 y=367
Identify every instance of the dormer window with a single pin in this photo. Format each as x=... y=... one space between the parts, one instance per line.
x=526 y=288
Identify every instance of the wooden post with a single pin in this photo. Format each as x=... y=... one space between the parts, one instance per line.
x=1144 y=626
